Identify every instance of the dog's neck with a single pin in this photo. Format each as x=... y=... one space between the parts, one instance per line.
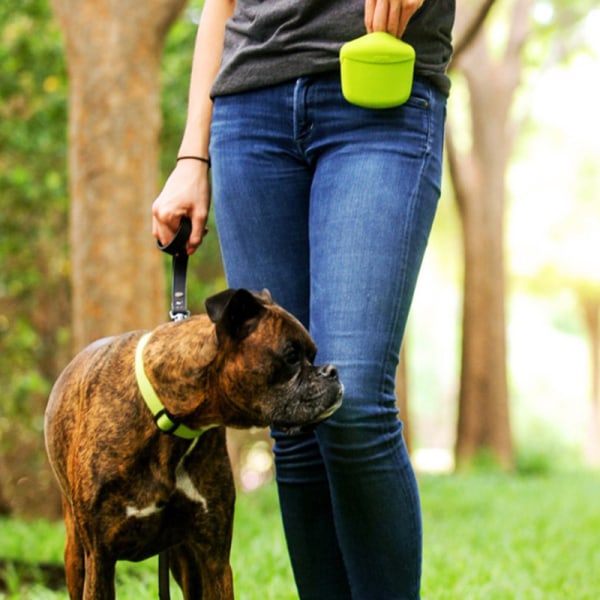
x=165 y=421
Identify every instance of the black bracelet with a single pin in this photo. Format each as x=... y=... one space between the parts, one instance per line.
x=206 y=161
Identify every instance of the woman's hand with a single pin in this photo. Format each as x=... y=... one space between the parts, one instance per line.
x=186 y=193
x=390 y=15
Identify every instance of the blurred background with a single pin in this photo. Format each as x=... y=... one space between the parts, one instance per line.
x=501 y=360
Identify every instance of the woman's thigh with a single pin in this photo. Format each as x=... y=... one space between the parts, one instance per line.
x=261 y=192
x=373 y=199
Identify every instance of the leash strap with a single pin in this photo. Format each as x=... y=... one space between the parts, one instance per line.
x=176 y=248
x=164 y=590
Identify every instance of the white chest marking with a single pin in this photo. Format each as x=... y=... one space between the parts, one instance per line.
x=142 y=513
x=184 y=483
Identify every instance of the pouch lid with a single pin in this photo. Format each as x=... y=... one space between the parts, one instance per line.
x=377 y=47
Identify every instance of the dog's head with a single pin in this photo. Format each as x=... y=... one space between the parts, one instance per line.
x=265 y=364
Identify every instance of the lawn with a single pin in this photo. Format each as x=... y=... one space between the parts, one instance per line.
x=487 y=537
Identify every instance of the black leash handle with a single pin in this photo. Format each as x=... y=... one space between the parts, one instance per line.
x=177 y=249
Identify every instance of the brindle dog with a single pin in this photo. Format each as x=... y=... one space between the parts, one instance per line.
x=129 y=489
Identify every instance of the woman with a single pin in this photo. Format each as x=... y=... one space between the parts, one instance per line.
x=329 y=205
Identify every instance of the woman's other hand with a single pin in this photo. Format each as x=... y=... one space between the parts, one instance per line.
x=390 y=15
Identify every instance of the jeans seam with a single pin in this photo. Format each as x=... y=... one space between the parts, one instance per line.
x=405 y=245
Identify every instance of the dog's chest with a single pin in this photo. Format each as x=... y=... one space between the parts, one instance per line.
x=161 y=511
x=183 y=485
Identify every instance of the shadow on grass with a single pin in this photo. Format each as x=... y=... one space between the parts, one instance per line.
x=50 y=575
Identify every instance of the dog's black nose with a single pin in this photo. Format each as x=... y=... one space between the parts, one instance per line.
x=328 y=371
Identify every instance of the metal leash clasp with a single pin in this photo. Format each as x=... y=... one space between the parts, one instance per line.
x=179 y=316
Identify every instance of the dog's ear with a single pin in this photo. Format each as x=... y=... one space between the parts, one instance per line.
x=215 y=305
x=265 y=296
x=235 y=312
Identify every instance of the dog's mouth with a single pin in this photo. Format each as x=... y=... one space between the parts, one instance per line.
x=291 y=428
x=329 y=411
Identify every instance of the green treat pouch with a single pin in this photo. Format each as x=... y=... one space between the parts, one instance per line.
x=377 y=70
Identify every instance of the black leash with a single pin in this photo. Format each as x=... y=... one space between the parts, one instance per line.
x=176 y=248
x=179 y=311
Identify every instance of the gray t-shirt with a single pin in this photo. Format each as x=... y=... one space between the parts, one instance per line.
x=272 y=41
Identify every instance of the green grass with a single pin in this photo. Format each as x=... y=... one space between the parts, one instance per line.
x=499 y=538
x=487 y=537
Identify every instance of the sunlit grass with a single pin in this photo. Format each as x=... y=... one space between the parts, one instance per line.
x=487 y=536
x=499 y=538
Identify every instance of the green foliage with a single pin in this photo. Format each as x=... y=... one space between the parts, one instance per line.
x=35 y=307
x=542 y=452
x=485 y=461
x=34 y=241
x=487 y=537
x=33 y=192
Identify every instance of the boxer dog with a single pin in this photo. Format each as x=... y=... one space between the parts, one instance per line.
x=135 y=433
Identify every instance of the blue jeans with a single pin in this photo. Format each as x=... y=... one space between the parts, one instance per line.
x=330 y=206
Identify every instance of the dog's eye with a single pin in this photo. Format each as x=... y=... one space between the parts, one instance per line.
x=293 y=355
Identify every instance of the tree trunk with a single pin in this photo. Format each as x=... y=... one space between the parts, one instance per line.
x=591 y=313
x=402 y=397
x=113 y=53
x=479 y=183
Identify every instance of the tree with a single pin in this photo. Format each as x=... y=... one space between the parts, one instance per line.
x=589 y=299
x=477 y=168
x=570 y=262
x=113 y=52
x=35 y=299
x=34 y=289
x=478 y=177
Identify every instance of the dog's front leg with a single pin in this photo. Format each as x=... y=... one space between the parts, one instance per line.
x=201 y=574
x=224 y=585
x=217 y=579
x=187 y=570
x=99 y=577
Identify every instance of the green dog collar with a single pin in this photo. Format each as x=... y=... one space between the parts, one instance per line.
x=164 y=421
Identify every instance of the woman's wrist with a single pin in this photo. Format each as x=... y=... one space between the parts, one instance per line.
x=203 y=159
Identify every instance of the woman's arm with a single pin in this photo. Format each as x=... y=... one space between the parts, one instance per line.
x=187 y=190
